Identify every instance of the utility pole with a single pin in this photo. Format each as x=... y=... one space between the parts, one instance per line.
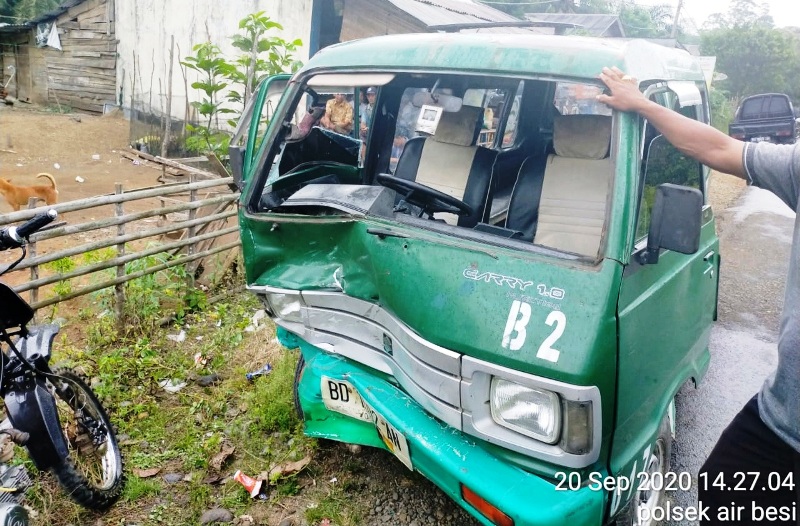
x=675 y=20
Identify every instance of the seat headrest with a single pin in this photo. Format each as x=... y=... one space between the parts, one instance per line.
x=582 y=136
x=458 y=127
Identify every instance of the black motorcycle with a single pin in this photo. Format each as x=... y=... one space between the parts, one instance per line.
x=52 y=411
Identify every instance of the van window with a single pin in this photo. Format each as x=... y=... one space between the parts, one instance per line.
x=663 y=163
x=510 y=129
x=579 y=99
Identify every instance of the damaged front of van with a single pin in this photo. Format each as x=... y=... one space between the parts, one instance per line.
x=469 y=272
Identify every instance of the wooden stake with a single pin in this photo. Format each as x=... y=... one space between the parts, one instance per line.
x=168 y=126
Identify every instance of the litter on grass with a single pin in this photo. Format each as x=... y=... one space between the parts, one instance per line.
x=260 y=372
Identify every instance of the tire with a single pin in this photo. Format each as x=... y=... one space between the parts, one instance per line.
x=92 y=475
x=659 y=462
x=298 y=372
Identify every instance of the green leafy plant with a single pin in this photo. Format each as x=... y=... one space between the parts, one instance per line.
x=213 y=68
x=263 y=55
x=149 y=297
x=723 y=109
x=251 y=67
x=61 y=266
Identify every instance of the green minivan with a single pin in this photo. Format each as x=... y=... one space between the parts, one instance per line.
x=487 y=272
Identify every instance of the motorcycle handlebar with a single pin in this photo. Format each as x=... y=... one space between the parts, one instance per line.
x=16 y=236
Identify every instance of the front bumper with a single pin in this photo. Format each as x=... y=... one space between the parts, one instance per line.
x=445 y=456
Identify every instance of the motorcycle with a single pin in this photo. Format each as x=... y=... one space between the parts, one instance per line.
x=52 y=412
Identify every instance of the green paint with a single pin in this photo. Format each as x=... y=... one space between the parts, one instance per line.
x=635 y=332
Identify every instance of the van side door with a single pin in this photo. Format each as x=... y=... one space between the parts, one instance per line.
x=665 y=309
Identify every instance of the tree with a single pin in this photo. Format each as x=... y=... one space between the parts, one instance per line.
x=213 y=68
x=646 y=21
x=263 y=56
x=22 y=10
x=756 y=58
x=740 y=14
x=250 y=68
x=637 y=20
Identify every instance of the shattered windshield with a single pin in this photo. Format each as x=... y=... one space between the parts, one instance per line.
x=525 y=160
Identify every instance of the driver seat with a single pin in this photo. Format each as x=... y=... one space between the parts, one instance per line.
x=450 y=162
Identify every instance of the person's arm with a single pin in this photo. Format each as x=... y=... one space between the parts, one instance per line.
x=347 y=120
x=326 y=118
x=694 y=138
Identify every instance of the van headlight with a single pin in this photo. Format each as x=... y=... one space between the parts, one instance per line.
x=533 y=412
x=285 y=306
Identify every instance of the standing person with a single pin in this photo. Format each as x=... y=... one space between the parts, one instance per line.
x=338 y=115
x=365 y=111
x=762 y=443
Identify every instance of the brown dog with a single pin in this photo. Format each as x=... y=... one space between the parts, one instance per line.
x=17 y=196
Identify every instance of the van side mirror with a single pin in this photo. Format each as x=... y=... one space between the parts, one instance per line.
x=675 y=222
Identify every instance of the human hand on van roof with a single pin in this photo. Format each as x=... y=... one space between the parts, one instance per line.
x=625 y=94
x=692 y=137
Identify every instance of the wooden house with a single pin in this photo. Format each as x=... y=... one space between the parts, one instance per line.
x=66 y=58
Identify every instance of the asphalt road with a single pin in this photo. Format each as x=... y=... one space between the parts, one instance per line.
x=755 y=248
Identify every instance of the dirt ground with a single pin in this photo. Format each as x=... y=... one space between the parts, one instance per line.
x=34 y=141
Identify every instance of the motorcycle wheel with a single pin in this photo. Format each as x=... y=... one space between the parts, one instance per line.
x=92 y=475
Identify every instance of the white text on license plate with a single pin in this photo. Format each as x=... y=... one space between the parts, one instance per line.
x=340 y=396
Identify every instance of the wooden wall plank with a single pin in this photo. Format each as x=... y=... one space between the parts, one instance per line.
x=97 y=11
x=104 y=63
x=83 y=7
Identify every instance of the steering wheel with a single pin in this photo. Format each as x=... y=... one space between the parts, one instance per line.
x=428 y=199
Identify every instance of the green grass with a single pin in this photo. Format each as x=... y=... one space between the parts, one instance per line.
x=182 y=432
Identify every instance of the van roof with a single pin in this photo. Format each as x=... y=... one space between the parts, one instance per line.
x=561 y=56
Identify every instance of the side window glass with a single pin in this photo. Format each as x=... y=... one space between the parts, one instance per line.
x=510 y=129
x=492 y=101
x=264 y=118
x=663 y=163
x=405 y=129
x=579 y=99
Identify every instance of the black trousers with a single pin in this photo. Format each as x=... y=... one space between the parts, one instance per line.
x=751 y=476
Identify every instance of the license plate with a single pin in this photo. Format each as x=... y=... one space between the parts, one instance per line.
x=759 y=139
x=341 y=397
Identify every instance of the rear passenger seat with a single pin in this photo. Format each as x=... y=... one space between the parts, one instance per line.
x=561 y=202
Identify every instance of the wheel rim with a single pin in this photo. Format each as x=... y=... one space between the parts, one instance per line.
x=648 y=498
x=92 y=448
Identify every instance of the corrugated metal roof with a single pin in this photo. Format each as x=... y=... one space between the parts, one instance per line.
x=13 y=28
x=443 y=12
x=595 y=25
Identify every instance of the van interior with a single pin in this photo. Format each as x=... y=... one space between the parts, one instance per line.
x=525 y=160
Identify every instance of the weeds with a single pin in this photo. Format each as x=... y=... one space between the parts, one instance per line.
x=148 y=297
x=168 y=436
x=61 y=266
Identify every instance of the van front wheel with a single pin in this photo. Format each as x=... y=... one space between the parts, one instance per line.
x=639 y=511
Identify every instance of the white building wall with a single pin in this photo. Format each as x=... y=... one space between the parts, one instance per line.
x=145 y=27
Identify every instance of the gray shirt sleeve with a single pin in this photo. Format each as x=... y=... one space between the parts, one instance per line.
x=775 y=167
